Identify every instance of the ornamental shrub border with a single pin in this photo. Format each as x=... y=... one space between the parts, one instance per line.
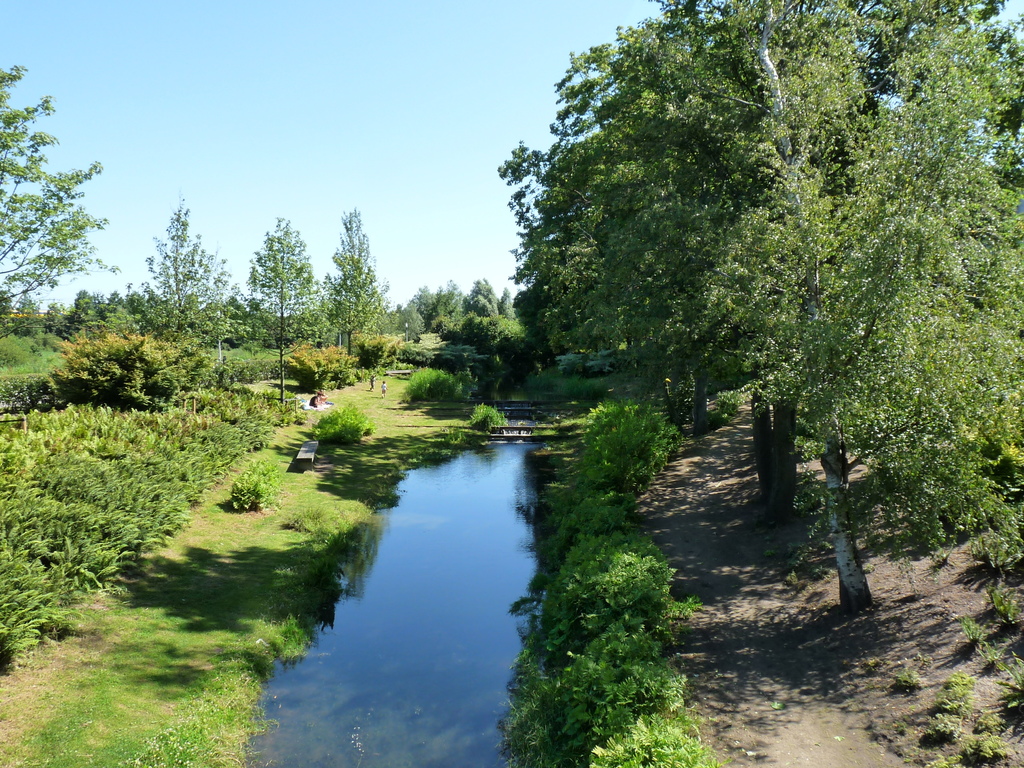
x=21 y=394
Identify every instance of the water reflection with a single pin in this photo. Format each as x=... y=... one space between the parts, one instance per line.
x=412 y=667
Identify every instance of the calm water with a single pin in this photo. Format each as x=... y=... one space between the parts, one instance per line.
x=414 y=671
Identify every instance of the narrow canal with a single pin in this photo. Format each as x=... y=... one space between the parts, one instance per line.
x=413 y=672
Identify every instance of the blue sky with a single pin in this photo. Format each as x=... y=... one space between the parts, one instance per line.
x=257 y=110
x=303 y=110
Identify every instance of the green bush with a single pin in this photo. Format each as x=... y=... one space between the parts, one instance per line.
x=487 y=417
x=375 y=352
x=430 y=384
x=327 y=368
x=346 y=425
x=257 y=487
x=727 y=404
x=127 y=371
x=984 y=749
x=20 y=394
x=943 y=728
x=616 y=430
x=655 y=741
x=906 y=681
x=957 y=695
x=1005 y=603
x=1013 y=689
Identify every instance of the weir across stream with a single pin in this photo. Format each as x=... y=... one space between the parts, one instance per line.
x=414 y=670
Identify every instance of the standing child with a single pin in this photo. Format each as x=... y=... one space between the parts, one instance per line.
x=383 y=389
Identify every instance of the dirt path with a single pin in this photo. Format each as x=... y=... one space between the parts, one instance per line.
x=768 y=671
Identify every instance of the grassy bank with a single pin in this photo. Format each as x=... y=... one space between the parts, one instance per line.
x=166 y=669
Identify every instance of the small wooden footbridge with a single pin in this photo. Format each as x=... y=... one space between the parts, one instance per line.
x=522 y=421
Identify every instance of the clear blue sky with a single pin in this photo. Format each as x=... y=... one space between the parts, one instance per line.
x=257 y=110
x=303 y=110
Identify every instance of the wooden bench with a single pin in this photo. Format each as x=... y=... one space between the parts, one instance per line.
x=308 y=451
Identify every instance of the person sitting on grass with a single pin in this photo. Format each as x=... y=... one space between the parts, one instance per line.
x=319 y=401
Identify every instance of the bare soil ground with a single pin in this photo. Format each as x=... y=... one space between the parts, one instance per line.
x=780 y=676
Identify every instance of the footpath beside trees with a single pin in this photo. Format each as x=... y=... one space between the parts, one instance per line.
x=816 y=196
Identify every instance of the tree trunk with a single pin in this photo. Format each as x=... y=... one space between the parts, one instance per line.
x=280 y=361
x=762 y=430
x=700 y=403
x=783 y=446
x=854 y=592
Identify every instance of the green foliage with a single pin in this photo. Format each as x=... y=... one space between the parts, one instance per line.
x=943 y=728
x=430 y=384
x=44 y=232
x=127 y=371
x=232 y=372
x=551 y=385
x=973 y=631
x=21 y=394
x=1013 y=688
x=655 y=741
x=327 y=368
x=618 y=429
x=14 y=351
x=984 y=749
x=599 y=613
x=487 y=417
x=587 y=364
x=1001 y=548
x=356 y=298
x=87 y=490
x=957 y=695
x=257 y=487
x=376 y=352
x=726 y=406
x=345 y=425
x=989 y=723
x=906 y=681
x=1005 y=603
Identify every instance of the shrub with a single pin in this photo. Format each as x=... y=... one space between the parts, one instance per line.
x=346 y=425
x=326 y=368
x=377 y=351
x=1000 y=550
x=487 y=417
x=666 y=743
x=990 y=723
x=726 y=406
x=973 y=631
x=619 y=429
x=21 y=394
x=957 y=695
x=943 y=728
x=906 y=681
x=1013 y=689
x=431 y=384
x=984 y=749
x=257 y=487
x=1004 y=602
x=127 y=371
x=232 y=372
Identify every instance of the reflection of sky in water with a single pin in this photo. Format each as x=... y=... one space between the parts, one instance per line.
x=415 y=672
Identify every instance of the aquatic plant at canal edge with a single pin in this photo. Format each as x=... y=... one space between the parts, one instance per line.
x=592 y=686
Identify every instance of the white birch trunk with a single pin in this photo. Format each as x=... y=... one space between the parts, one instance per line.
x=854 y=593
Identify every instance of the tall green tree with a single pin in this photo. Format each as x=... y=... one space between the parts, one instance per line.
x=43 y=230
x=190 y=284
x=356 y=297
x=482 y=301
x=813 y=192
x=283 y=293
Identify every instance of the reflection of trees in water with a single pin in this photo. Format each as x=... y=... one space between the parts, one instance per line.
x=353 y=553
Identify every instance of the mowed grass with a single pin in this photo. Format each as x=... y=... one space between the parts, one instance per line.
x=167 y=669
